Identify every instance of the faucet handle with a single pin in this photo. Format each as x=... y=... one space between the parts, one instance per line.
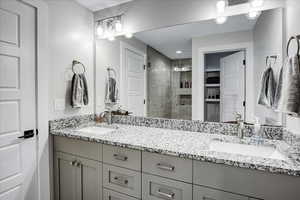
x=238 y=117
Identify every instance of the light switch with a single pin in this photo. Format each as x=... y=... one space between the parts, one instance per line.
x=59 y=104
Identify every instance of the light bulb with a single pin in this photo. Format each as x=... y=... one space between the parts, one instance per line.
x=179 y=52
x=221 y=19
x=221 y=6
x=100 y=30
x=253 y=14
x=111 y=38
x=128 y=35
x=256 y=3
x=118 y=26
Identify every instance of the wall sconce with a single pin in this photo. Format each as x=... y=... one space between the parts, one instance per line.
x=111 y=27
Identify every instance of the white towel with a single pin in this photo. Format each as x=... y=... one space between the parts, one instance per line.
x=288 y=90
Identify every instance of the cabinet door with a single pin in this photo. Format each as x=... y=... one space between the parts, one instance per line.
x=203 y=193
x=65 y=175
x=90 y=179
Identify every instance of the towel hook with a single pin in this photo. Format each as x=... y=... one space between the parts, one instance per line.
x=74 y=63
x=289 y=42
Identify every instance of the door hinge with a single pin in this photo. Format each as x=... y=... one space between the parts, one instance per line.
x=144 y=67
x=244 y=62
x=244 y=103
x=144 y=101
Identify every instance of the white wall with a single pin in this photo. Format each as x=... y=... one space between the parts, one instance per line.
x=71 y=32
x=292 y=15
x=228 y=42
x=108 y=54
x=268 y=40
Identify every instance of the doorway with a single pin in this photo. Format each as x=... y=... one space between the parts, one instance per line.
x=224 y=86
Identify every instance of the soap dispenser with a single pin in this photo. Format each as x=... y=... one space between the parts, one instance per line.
x=257 y=131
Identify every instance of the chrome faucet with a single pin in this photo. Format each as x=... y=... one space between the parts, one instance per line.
x=108 y=116
x=241 y=126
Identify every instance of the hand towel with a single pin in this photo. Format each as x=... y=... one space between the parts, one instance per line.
x=111 y=95
x=79 y=97
x=268 y=89
x=288 y=90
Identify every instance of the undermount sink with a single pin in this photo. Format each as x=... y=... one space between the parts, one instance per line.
x=96 y=130
x=247 y=150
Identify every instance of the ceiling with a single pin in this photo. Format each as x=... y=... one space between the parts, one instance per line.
x=95 y=5
x=169 y=40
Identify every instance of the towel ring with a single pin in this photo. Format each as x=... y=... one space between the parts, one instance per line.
x=271 y=57
x=114 y=72
x=289 y=42
x=74 y=63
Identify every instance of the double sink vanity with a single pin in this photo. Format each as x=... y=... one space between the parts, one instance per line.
x=155 y=160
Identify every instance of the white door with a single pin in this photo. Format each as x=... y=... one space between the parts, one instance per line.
x=232 y=81
x=18 y=179
x=134 y=82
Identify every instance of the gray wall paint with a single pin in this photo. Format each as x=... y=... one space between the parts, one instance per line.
x=108 y=54
x=71 y=31
x=292 y=16
x=159 y=85
x=267 y=40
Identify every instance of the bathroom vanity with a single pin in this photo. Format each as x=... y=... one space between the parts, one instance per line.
x=126 y=162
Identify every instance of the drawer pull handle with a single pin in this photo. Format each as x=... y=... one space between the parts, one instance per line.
x=170 y=195
x=120 y=157
x=207 y=198
x=112 y=198
x=119 y=179
x=165 y=167
x=73 y=163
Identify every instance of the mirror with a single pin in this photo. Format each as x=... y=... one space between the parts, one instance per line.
x=196 y=71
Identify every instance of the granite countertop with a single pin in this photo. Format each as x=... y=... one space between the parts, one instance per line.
x=186 y=144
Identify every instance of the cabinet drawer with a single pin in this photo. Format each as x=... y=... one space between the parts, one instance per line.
x=168 y=166
x=203 y=193
x=157 y=188
x=81 y=148
x=122 y=180
x=111 y=195
x=122 y=157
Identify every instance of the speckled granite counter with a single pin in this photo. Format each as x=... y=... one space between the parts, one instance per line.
x=187 y=144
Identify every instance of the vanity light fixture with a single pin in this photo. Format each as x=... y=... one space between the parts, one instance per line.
x=128 y=34
x=256 y=3
x=221 y=19
x=253 y=14
x=179 y=52
x=221 y=7
x=109 y=28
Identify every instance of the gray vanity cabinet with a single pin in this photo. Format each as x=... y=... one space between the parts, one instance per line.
x=77 y=178
x=204 y=193
x=65 y=175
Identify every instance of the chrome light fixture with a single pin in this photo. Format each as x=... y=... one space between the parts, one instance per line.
x=111 y=27
x=254 y=12
x=221 y=7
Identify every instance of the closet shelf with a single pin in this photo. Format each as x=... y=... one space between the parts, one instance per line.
x=213 y=100
x=212 y=85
